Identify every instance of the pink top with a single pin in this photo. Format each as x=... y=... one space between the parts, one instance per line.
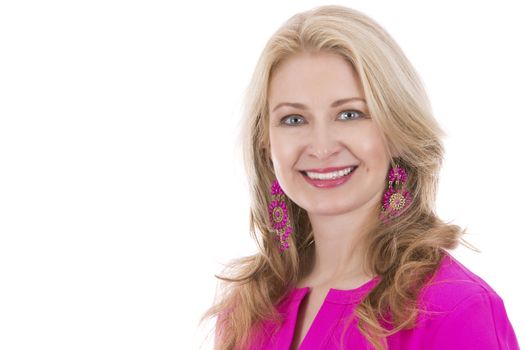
x=470 y=315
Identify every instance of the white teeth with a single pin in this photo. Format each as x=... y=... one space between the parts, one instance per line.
x=332 y=175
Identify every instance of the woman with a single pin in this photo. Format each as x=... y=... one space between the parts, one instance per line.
x=343 y=155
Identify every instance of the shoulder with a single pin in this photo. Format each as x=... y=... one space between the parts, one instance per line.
x=452 y=284
x=461 y=310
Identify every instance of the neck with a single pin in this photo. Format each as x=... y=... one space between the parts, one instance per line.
x=340 y=246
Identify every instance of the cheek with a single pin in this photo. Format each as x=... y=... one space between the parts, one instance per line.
x=282 y=149
x=370 y=148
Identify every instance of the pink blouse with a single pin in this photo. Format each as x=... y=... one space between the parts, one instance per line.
x=464 y=312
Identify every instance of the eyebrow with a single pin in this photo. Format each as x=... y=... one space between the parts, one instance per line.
x=334 y=104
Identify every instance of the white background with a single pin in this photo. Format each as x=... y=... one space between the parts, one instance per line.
x=121 y=188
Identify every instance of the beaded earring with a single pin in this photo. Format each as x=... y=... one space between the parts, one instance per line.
x=396 y=198
x=279 y=216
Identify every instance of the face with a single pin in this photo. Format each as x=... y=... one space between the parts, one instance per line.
x=319 y=119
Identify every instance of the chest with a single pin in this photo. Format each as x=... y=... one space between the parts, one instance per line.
x=308 y=310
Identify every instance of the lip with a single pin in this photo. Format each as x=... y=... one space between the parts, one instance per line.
x=328 y=170
x=327 y=183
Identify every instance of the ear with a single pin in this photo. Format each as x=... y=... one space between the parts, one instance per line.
x=268 y=149
x=395 y=152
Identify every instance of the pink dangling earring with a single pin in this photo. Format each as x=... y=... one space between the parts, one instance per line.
x=396 y=198
x=279 y=216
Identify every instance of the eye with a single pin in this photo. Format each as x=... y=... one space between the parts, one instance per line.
x=357 y=114
x=291 y=117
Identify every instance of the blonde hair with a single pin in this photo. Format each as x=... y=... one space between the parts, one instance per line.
x=404 y=252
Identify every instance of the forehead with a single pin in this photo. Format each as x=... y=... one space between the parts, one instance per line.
x=313 y=75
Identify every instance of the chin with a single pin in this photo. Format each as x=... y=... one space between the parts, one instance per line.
x=329 y=209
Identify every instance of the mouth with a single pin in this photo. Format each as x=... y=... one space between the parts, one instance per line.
x=329 y=175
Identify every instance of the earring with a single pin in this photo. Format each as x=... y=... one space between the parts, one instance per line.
x=396 y=198
x=279 y=216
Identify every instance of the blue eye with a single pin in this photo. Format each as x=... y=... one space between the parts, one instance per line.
x=356 y=114
x=291 y=117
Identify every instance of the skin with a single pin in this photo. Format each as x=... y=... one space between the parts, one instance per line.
x=323 y=136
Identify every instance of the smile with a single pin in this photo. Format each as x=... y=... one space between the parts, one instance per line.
x=329 y=180
x=331 y=175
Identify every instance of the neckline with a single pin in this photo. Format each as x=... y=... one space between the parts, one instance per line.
x=341 y=296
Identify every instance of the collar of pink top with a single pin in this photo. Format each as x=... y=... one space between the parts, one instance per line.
x=340 y=296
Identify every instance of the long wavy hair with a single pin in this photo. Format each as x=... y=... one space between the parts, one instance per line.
x=404 y=252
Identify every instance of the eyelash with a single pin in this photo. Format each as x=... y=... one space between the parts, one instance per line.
x=293 y=115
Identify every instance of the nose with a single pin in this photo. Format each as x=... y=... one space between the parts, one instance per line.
x=323 y=143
